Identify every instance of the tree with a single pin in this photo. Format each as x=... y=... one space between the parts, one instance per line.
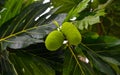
x=25 y=24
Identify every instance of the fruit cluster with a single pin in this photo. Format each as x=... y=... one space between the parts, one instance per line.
x=68 y=31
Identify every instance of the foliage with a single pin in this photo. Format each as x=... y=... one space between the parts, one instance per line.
x=24 y=25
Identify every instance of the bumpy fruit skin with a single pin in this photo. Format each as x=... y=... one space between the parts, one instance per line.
x=71 y=33
x=54 y=40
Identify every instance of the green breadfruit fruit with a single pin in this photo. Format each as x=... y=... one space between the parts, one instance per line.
x=71 y=33
x=54 y=40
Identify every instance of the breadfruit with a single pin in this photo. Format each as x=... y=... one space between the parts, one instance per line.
x=54 y=40
x=71 y=33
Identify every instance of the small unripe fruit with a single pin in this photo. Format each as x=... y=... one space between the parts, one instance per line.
x=54 y=40
x=71 y=33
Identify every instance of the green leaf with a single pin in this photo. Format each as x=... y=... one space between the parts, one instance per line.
x=67 y=65
x=65 y=5
x=116 y=68
x=90 y=20
x=73 y=65
x=109 y=41
x=11 y=9
x=80 y=7
x=27 y=64
x=27 y=28
x=103 y=67
x=75 y=10
x=7 y=68
x=96 y=61
x=110 y=60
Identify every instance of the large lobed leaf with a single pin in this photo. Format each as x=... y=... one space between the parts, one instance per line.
x=26 y=64
x=98 y=62
x=65 y=5
x=29 y=27
x=104 y=60
x=25 y=29
x=90 y=19
x=77 y=9
x=11 y=8
x=73 y=65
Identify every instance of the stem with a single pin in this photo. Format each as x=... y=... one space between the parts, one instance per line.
x=76 y=59
x=103 y=28
x=56 y=23
x=103 y=6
